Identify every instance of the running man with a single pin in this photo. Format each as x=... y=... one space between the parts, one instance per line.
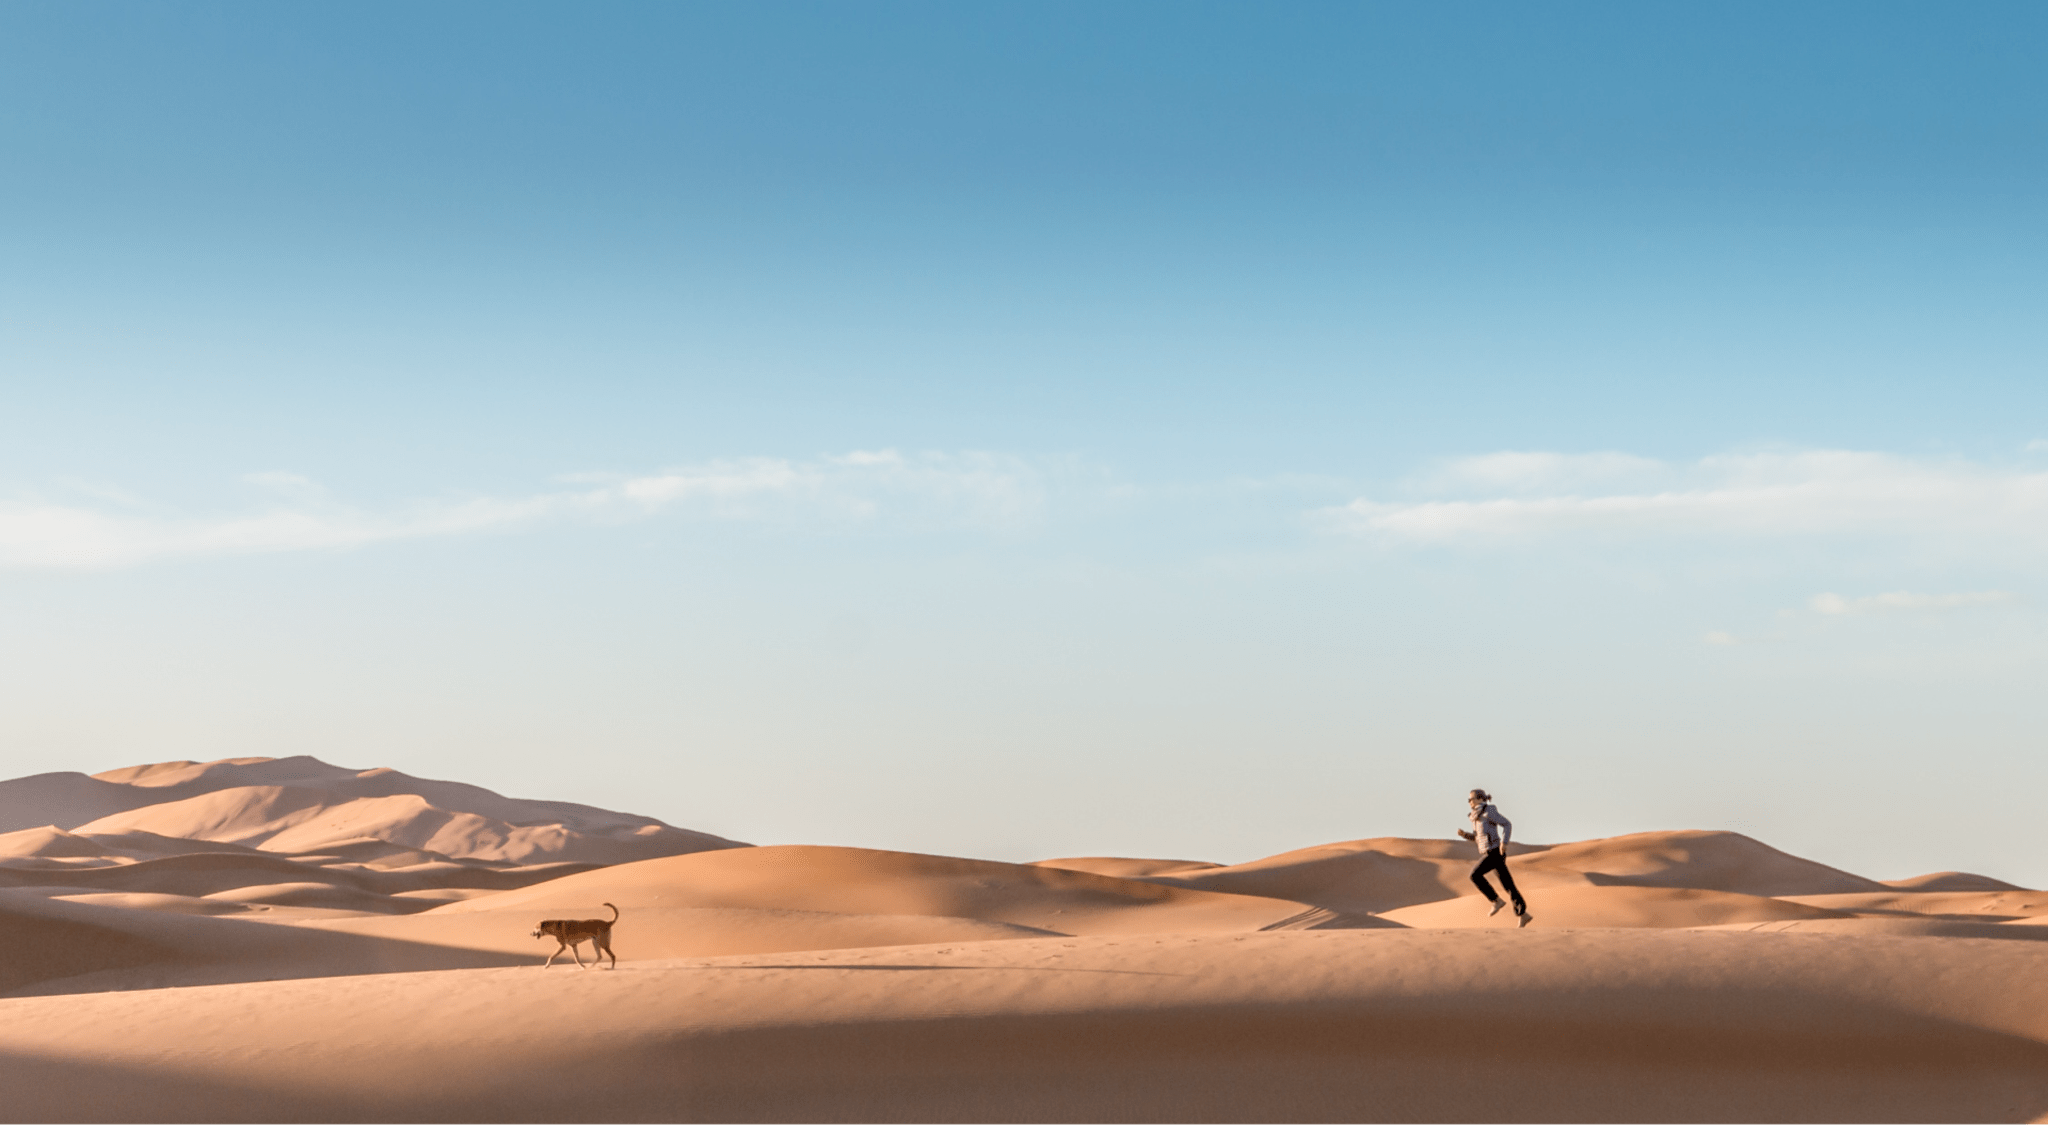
x=1490 y=831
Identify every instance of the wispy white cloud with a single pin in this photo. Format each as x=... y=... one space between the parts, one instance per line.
x=988 y=491
x=982 y=489
x=1822 y=492
x=1835 y=605
x=1517 y=471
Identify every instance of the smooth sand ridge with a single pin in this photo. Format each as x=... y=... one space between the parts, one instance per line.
x=1388 y=876
x=65 y=800
x=1951 y=881
x=295 y=820
x=1360 y=876
x=301 y=804
x=1118 y=867
x=50 y=846
x=1712 y=861
x=243 y=873
x=1392 y=1025
x=860 y=881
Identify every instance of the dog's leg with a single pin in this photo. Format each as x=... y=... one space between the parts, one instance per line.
x=559 y=946
x=576 y=951
x=604 y=941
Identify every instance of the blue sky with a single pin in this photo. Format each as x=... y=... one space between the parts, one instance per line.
x=1016 y=429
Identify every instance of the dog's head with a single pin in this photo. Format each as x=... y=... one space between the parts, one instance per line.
x=550 y=928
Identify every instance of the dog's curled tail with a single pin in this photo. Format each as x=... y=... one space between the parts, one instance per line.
x=615 y=911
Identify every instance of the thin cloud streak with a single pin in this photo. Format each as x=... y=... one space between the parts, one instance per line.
x=1835 y=605
x=1824 y=492
x=985 y=491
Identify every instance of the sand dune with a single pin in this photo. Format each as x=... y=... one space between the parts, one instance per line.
x=65 y=800
x=1984 y=906
x=210 y=873
x=666 y=932
x=1600 y=1025
x=302 y=805
x=249 y=939
x=297 y=832
x=1360 y=876
x=175 y=781
x=1714 y=861
x=774 y=899
x=97 y=944
x=1383 y=875
x=1950 y=881
x=1119 y=868
x=863 y=882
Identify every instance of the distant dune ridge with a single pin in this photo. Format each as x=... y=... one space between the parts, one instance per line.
x=303 y=805
x=281 y=939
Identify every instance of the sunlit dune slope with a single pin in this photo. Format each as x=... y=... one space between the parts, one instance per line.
x=1393 y=1025
x=860 y=881
x=1715 y=861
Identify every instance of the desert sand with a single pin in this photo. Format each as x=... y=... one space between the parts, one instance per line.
x=280 y=939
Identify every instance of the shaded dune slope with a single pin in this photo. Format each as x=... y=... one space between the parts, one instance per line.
x=72 y=946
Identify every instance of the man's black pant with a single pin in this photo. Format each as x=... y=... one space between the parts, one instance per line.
x=1497 y=862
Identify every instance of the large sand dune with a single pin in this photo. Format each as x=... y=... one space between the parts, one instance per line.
x=281 y=939
x=302 y=805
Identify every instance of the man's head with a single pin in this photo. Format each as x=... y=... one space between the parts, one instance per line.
x=1479 y=797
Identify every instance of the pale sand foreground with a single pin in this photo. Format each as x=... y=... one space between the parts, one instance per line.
x=1377 y=1025
x=264 y=939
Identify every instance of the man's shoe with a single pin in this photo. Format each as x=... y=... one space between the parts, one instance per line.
x=1497 y=904
x=1526 y=919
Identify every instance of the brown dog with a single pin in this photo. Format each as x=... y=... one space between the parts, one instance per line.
x=573 y=932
